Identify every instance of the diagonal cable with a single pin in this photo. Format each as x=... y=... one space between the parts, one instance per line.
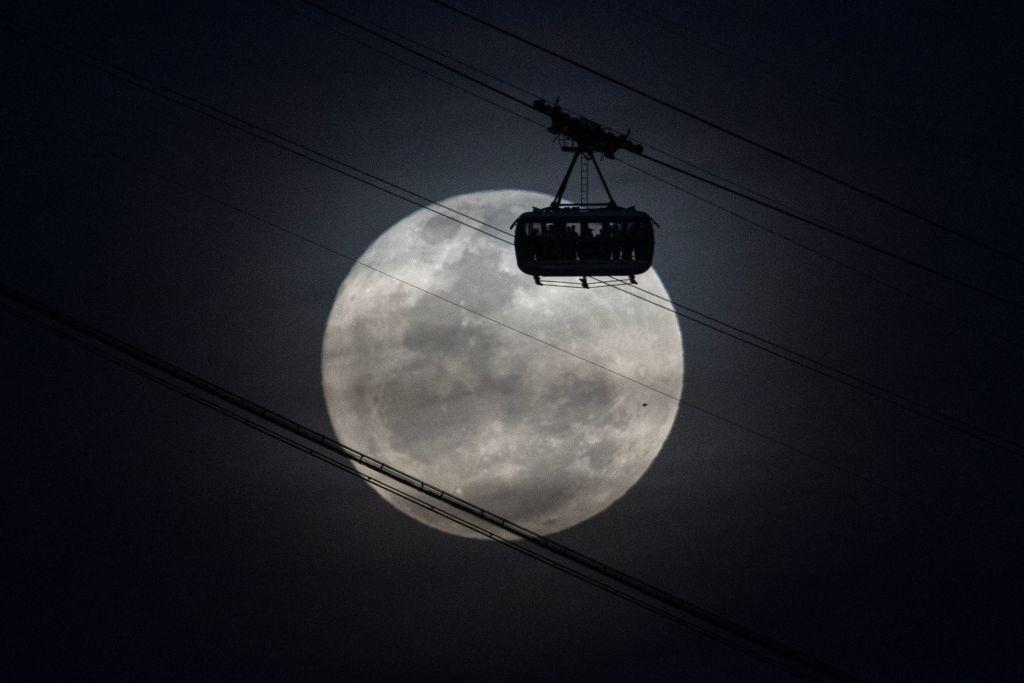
x=729 y=632
x=734 y=134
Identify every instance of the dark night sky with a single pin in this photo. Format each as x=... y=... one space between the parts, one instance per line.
x=151 y=537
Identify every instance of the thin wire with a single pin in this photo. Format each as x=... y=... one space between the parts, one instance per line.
x=424 y=290
x=363 y=27
x=730 y=633
x=384 y=485
x=273 y=138
x=825 y=370
x=721 y=207
x=839 y=233
x=251 y=129
x=870 y=388
x=419 y=70
x=999 y=166
x=753 y=197
x=903 y=496
x=738 y=136
x=448 y=55
x=853 y=269
x=750 y=430
x=348 y=469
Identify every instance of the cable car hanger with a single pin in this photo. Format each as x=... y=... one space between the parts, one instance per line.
x=584 y=239
x=588 y=135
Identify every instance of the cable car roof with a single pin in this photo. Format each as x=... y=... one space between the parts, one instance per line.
x=602 y=211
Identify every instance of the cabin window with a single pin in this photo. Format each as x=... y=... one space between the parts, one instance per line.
x=585 y=245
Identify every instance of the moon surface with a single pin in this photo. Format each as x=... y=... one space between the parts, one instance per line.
x=429 y=376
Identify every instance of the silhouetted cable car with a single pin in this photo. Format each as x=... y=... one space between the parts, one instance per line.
x=581 y=240
x=577 y=240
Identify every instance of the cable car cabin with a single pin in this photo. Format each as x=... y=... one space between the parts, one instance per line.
x=582 y=241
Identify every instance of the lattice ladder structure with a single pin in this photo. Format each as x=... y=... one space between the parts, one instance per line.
x=584 y=180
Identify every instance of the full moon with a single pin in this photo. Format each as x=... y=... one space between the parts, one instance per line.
x=439 y=359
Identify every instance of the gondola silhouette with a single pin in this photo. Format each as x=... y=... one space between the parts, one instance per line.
x=584 y=239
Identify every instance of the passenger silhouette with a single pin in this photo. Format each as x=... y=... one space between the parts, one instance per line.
x=573 y=242
x=614 y=241
x=548 y=247
x=570 y=240
x=586 y=243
